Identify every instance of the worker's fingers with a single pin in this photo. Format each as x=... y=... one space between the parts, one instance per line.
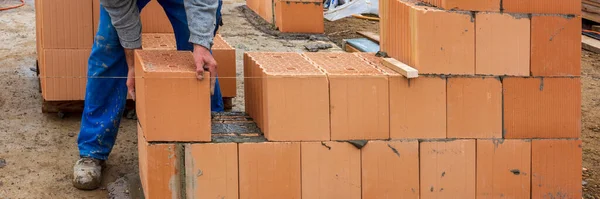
x=200 y=69
x=131 y=87
x=211 y=64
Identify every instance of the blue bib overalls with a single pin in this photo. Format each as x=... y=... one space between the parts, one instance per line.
x=106 y=92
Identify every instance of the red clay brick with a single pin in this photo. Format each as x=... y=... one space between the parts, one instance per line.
x=211 y=170
x=470 y=5
x=542 y=107
x=299 y=16
x=359 y=97
x=556 y=169
x=65 y=24
x=269 y=170
x=555 y=45
x=297 y=94
x=501 y=50
x=159 y=168
x=503 y=168
x=330 y=170
x=390 y=169
x=542 y=6
x=417 y=107
x=62 y=74
x=224 y=54
x=448 y=169
x=158 y=41
x=474 y=107
x=155 y=19
x=171 y=103
x=431 y=40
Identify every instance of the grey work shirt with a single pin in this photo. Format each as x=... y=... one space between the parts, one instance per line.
x=125 y=15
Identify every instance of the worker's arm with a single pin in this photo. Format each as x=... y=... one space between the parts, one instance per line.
x=202 y=16
x=125 y=17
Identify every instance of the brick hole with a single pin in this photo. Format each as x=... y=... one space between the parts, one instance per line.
x=333 y=57
x=157 y=37
x=350 y=69
x=277 y=56
x=291 y=68
x=163 y=45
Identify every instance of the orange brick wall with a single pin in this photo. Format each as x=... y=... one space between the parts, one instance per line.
x=270 y=170
x=502 y=50
x=542 y=107
x=503 y=168
x=556 y=168
x=447 y=169
x=474 y=107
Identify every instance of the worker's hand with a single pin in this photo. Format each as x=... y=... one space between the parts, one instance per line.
x=205 y=61
x=131 y=72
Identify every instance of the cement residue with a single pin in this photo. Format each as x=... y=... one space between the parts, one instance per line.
x=126 y=187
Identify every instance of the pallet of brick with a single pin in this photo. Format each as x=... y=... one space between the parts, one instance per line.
x=63 y=48
x=358 y=94
x=171 y=103
x=222 y=51
x=297 y=16
x=288 y=96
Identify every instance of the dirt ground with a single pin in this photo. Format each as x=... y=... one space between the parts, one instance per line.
x=37 y=150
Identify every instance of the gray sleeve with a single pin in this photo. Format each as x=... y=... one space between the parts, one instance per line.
x=125 y=16
x=201 y=16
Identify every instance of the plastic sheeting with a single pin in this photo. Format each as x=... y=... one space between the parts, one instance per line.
x=350 y=8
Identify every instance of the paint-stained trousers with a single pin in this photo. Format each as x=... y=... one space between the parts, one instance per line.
x=106 y=92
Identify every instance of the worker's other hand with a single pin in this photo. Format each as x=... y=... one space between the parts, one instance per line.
x=205 y=61
x=131 y=72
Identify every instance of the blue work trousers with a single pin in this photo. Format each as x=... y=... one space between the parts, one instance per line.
x=106 y=92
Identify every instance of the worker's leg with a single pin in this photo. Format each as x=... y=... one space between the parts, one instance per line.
x=176 y=12
x=105 y=98
x=106 y=91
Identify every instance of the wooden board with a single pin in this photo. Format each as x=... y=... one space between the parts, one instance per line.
x=350 y=49
x=590 y=10
x=590 y=44
x=399 y=67
x=369 y=35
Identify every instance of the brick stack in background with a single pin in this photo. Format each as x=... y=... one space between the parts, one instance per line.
x=64 y=36
x=299 y=16
x=65 y=31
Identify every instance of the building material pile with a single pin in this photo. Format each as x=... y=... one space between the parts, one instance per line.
x=291 y=16
x=65 y=31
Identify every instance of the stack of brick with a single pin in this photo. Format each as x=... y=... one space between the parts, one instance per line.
x=223 y=53
x=65 y=31
x=299 y=16
x=340 y=125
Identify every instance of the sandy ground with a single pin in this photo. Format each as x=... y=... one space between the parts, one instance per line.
x=39 y=149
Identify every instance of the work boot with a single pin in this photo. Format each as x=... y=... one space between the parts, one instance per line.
x=87 y=173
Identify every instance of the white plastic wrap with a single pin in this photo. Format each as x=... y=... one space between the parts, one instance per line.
x=352 y=7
